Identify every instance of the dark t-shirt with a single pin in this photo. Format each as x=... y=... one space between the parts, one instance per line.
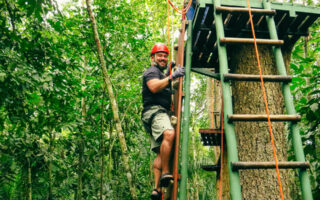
x=162 y=97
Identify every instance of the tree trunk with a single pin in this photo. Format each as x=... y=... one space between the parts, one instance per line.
x=12 y=18
x=80 y=168
x=50 y=197
x=253 y=138
x=111 y=144
x=214 y=107
x=102 y=148
x=195 y=178
x=29 y=188
x=114 y=105
x=209 y=98
x=81 y=142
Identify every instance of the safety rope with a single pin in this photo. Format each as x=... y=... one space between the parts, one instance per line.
x=265 y=101
x=168 y=30
x=183 y=10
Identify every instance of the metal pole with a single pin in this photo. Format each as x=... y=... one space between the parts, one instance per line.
x=178 y=113
x=234 y=179
x=186 y=117
x=296 y=139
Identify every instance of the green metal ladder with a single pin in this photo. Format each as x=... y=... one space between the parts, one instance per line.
x=233 y=162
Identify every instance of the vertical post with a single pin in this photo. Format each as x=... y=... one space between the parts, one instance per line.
x=296 y=139
x=186 y=116
x=177 y=109
x=234 y=179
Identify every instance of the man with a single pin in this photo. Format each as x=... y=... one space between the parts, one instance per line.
x=156 y=95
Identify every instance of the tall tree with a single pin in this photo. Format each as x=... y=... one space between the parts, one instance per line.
x=113 y=100
x=253 y=138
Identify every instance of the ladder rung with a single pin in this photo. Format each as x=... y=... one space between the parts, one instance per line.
x=210 y=168
x=210 y=137
x=273 y=118
x=250 y=77
x=245 y=10
x=250 y=41
x=209 y=130
x=269 y=165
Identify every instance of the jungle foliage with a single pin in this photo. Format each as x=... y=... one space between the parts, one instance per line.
x=49 y=75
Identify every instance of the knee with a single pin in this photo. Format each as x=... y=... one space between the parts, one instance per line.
x=157 y=162
x=169 y=135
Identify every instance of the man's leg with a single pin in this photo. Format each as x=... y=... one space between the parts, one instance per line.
x=166 y=148
x=163 y=134
x=157 y=171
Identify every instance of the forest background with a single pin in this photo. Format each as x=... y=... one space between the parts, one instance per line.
x=58 y=138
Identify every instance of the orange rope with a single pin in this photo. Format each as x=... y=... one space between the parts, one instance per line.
x=183 y=10
x=162 y=196
x=168 y=27
x=265 y=101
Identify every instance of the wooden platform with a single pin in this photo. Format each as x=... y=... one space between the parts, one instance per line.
x=210 y=137
x=292 y=22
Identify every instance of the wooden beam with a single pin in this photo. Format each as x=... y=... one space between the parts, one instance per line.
x=268 y=165
x=250 y=41
x=251 y=77
x=261 y=117
x=206 y=72
x=210 y=167
x=244 y=10
x=210 y=131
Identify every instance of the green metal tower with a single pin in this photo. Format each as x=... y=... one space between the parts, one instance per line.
x=209 y=33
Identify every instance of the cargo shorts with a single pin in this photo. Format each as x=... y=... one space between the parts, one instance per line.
x=156 y=120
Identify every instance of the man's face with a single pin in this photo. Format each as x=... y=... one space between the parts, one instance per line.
x=161 y=59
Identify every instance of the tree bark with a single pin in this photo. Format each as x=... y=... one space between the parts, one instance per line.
x=214 y=107
x=50 y=197
x=81 y=141
x=102 y=149
x=12 y=18
x=253 y=138
x=29 y=195
x=114 y=105
x=195 y=184
x=80 y=169
x=111 y=144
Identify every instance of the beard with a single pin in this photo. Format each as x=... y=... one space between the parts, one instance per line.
x=161 y=67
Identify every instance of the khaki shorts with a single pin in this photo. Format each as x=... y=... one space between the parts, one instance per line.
x=160 y=123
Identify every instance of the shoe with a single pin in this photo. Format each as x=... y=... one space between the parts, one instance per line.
x=156 y=195
x=165 y=179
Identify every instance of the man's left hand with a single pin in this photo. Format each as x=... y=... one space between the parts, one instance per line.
x=178 y=73
x=173 y=64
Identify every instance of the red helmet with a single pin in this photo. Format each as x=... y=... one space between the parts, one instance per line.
x=159 y=47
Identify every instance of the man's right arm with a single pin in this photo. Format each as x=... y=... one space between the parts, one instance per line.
x=156 y=85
